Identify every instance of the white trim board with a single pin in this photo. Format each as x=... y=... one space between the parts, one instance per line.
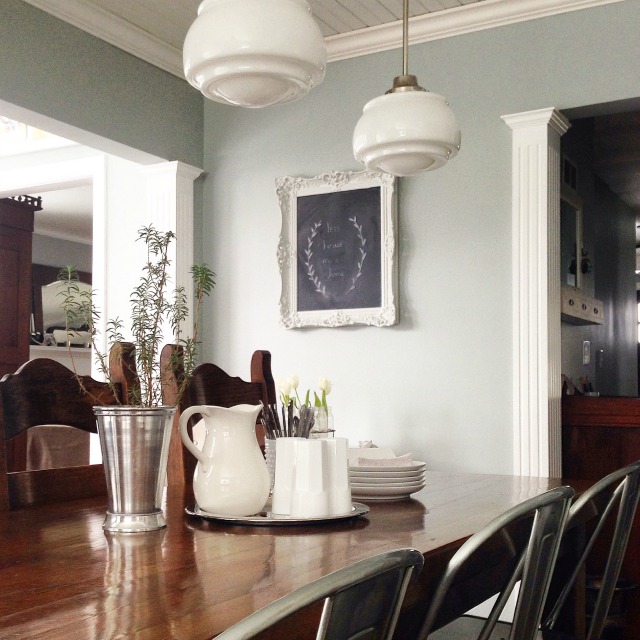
x=537 y=440
x=432 y=26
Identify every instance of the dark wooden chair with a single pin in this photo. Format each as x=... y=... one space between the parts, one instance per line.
x=45 y=392
x=210 y=384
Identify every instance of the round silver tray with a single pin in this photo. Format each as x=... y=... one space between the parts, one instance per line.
x=267 y=519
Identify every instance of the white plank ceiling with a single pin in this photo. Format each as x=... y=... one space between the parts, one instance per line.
x=154 y=30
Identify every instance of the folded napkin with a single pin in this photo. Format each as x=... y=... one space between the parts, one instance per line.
x=395 y=461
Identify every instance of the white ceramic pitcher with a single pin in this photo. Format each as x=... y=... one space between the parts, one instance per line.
x=231 y=477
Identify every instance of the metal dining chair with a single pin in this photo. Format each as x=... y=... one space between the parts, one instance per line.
x=519 y=545
x=361 y=601
x=607 y=506
x=610 y=503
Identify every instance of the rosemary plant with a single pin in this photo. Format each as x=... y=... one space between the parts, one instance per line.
x=153 y=307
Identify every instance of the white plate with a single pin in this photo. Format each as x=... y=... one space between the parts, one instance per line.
x=414 y=466
x=368 y=475
x=384 y=493
x=377 y=483
x=400 y=475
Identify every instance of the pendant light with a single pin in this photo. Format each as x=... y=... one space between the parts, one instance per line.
x=254 y=53
x=409 y=129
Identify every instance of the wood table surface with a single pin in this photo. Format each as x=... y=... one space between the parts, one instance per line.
x=62 y=576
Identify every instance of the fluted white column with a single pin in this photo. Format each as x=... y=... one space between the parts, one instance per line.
x=169 y=191
x=537 y=445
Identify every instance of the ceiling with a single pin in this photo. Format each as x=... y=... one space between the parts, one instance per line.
x=66 y=214
x=154 y=30
x=616 y=147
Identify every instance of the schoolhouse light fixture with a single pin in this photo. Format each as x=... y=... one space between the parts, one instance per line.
x=254 y=53
x=408 y=130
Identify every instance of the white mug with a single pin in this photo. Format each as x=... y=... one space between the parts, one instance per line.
x=340 y=489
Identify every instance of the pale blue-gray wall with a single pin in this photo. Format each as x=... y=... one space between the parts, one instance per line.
x=440 y=382
x=54 y=69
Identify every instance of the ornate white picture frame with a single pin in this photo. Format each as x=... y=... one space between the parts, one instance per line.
x=337 y=250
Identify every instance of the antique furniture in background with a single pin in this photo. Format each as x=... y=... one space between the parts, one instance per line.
x=599 y=436
x=16 y=229
x=45 y=392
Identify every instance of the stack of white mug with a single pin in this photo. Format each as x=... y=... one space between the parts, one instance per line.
x=311 y=478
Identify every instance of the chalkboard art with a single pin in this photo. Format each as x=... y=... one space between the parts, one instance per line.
x=337 y=250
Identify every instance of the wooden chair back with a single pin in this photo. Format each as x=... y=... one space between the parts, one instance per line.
x=210 y=384
x=45 y=392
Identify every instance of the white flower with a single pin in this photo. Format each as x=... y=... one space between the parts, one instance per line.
x=293 y=381
x=284 y=387
x=324 y=385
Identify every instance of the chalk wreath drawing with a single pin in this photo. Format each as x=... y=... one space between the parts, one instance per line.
x=363 y=253
x=337 y=250
x=311 y=270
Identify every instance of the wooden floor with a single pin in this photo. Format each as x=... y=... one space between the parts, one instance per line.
x=469 y=627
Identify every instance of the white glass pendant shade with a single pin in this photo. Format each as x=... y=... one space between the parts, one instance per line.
x=406 y=132
x=254 y=53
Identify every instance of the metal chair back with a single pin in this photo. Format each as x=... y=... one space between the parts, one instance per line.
x=612 y=501
x=361 y=601
x=522 y=545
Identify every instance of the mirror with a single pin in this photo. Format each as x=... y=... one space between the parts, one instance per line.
x=44 y=280
x=571 y=248
x=53 y=316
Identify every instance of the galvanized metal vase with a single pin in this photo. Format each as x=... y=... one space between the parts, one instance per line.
x=135 y=448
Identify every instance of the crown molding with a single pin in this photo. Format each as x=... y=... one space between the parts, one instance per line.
x=433 y=26
x=69 y=237
x=452 y=22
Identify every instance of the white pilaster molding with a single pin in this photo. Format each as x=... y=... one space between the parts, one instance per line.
x=536 y=291
x=170 y=208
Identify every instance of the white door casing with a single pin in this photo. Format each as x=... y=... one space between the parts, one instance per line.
x=170 y=208
x=537 y=444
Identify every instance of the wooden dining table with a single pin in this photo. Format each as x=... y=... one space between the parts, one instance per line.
x=62 y=576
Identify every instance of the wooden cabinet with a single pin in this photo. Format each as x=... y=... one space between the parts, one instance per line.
x=579 y=308
x=600 y=435
x=16 y=229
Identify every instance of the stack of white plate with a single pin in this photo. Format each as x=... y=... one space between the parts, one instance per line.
x=379 y=482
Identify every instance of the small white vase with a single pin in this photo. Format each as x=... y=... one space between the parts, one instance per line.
x=323 y=423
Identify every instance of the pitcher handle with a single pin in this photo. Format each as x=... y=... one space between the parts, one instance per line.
x=184 y=433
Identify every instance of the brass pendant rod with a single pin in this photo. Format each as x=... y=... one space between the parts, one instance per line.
x=405 y=38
